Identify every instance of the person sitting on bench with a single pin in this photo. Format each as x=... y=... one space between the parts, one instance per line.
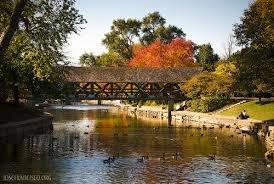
x=243 y=115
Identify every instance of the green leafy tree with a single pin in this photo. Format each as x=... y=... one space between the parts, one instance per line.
x=122 y=35
x=209 y=91
x=257 y=25
x=255 y=33
x=10 y=18
x=33 y=35
x=208 y=84
x=153 y=28
x=206 y=57
x=88 y=59
x=110 y=59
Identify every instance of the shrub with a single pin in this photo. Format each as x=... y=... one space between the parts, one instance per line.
x=207 y=104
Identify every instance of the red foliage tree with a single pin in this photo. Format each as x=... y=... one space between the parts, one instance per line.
x=177 y=53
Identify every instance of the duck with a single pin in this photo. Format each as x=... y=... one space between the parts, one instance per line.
x=211 y=157
x=112 y=159
x=145 y=157
x=163 y=156
x=204 y=127
x=175 y=156
x=156 y=128
x=189 y=126
x=140 y=160
x=107 y=161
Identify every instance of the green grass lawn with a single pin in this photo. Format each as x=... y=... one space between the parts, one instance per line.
x=255 y=110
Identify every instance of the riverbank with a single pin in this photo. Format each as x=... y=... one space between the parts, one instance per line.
x=13 y=113
x=189 y=119
x=18 y=121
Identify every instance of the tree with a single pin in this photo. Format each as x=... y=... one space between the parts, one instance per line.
x=256 y=29
x=122 y=35
x=177 y=53
x=168 y=33
x=229 y=47
x=256 y=33
x=206 y=57
x=150 y=24
x=208 y=91
x=125 y=33
x=255 y=65
x=87 y=59
x=9 y=29
x=153 y=28
x=36 y=39
x=110 y=59
x=208 y=84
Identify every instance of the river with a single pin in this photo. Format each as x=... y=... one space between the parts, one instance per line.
x=84 y=136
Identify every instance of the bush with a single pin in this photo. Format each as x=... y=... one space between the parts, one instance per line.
x=207 y=104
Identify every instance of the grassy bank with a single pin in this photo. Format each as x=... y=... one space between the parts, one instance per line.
x=264 y=111
x=12 y=113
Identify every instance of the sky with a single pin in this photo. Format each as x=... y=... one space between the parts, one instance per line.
x=203 y=21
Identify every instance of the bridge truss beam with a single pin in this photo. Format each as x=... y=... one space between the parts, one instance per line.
x=124 y=91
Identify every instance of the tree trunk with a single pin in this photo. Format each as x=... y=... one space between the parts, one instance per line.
x=15 y=87
x=260 y=99
x=9 y=31
x=2 y=92
x=16 y=94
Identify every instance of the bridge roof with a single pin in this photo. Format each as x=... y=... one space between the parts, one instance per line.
x=126 y=74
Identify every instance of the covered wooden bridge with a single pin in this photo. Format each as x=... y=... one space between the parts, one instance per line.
x=109 y=83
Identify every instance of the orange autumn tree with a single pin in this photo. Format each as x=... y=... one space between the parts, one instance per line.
x=177 y=53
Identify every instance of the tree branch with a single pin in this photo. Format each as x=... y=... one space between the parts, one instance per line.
x=11 y=28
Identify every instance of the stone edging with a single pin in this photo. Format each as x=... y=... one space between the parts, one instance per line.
x=27 y=126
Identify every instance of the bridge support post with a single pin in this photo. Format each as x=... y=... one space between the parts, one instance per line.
x=99 y=102
x=170 y=109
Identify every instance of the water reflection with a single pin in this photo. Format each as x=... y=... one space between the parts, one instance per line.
x=82 y=139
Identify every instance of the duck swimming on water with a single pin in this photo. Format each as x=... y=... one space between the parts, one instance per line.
x=211 y=157
x=109 y=160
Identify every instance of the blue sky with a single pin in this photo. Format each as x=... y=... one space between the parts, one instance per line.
x=203 y=21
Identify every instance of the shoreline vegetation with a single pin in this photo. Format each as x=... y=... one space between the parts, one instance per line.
x=263 y=111
x=10 y=113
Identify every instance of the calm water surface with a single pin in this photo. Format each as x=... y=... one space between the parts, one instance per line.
x=84 y=136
